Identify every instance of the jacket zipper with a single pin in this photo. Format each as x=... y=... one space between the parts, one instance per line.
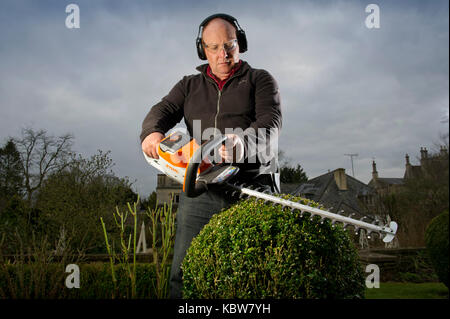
x=218 y=96
x=218 y=107
x=218 y=100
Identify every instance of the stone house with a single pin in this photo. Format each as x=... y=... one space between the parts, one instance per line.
x=168 y=190
x=390 y=185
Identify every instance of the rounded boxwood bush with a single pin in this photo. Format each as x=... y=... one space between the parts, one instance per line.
x=436 y=241
x=257 y=250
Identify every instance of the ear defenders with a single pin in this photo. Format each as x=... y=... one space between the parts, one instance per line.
x=240 y=34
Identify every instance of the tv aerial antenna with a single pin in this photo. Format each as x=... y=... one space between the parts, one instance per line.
x=351 y=159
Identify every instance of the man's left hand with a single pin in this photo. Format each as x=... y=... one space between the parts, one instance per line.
x=233 y=150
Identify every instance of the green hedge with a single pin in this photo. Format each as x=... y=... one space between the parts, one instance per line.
x=37 y=281
x=437 y=243
x=256 y=250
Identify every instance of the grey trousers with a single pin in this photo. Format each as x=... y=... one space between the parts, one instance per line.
x=193 y=214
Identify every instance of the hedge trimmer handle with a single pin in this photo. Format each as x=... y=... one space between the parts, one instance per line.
x=191 y=186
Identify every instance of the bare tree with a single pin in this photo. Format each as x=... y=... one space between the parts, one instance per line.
x=41 y=156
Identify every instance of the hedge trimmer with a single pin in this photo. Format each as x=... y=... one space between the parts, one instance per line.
x=188 y=163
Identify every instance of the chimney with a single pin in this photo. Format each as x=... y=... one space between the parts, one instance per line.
x=374 y=171
x=423 y=155
x=407 y=167
x=341 y=179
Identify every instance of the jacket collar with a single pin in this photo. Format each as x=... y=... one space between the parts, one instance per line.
x=243 y=68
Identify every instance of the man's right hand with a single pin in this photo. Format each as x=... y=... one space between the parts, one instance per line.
x=150 y=144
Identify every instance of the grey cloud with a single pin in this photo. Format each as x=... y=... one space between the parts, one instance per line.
x=345 y=88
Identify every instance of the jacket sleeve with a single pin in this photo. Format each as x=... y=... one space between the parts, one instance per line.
x=267 y=102
x=165 y=114
x=261 y=138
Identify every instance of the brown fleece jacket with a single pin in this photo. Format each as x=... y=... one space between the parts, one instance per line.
x=249 y=100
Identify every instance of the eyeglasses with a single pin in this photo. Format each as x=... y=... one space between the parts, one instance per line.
x=227 y=46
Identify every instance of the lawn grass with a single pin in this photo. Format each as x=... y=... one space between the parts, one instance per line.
x=399 y=290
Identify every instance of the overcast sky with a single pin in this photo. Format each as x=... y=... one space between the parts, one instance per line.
x=345 y=88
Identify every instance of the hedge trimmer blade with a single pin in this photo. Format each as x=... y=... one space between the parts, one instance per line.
x=387 y=232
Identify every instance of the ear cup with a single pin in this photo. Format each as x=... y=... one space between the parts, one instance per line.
x=200 y=50
x=242 y=40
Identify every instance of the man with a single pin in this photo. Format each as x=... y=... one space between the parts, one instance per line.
x=227 y=95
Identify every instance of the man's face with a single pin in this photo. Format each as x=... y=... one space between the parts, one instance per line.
x=221 y=47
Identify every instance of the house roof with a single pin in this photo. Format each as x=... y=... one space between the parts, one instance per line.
x=323 y=189
x=391 y=181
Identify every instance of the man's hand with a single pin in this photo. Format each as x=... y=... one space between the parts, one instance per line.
x=150 y=144
x=233 y=150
